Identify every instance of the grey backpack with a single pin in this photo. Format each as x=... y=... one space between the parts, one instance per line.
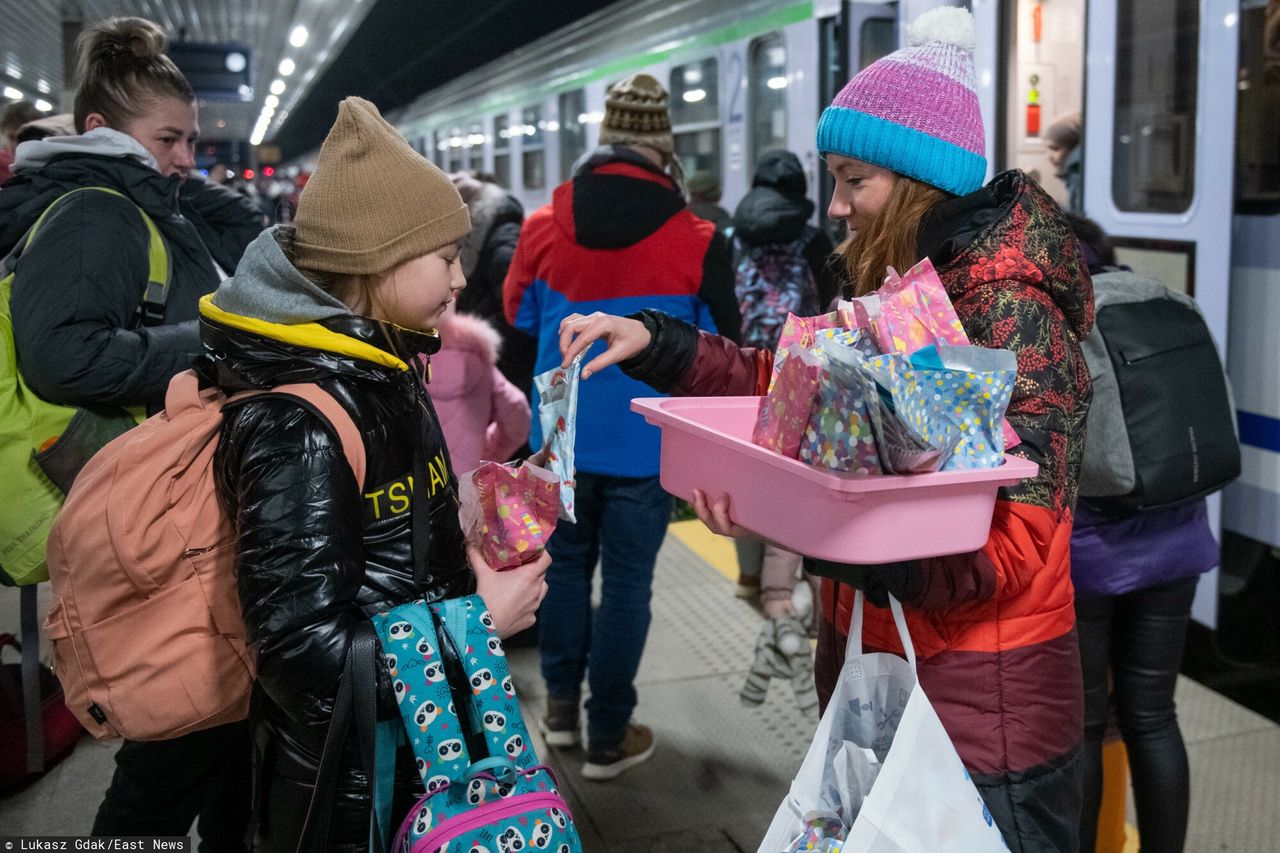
x=1161 y=429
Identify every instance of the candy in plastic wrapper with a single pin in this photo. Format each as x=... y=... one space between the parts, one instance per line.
x=840 y=435
x=558 y=415
x=785 y=410
x=508 y=511
x=822 y=834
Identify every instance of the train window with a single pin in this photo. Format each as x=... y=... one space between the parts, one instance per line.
x=695 y=92
x=573 y=130
x=767 y=92
x=502 y=150
x=1153 y=149
x=695 y=115
x=475 y=146
x=1258 y=110
x=877 y=39
x=535 y=155
x=457 y=150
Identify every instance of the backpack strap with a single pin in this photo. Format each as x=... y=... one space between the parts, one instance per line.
x=337 y=416
x=159 y=272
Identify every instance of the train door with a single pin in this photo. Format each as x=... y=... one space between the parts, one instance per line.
x=851 y=36
x=1160 y=105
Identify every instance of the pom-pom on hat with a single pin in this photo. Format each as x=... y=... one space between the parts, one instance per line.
x=373 y=202
x=916 y=111
x=636 y=113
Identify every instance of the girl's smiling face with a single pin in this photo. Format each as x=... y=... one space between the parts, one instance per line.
x=414 y=294
x=862 y=190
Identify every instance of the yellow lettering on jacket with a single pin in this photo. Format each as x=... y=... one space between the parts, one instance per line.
x=377 y=508
x=399 y=500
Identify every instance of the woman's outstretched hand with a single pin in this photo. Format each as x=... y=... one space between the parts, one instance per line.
x=716 y=515
x=625 y=339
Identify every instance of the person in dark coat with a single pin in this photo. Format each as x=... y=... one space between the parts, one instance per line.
x=704 y=202
x=347 y=297
x=994 y=629
x=496 y=219
x=776 y=211
x=75 y=302
x=1135 y=578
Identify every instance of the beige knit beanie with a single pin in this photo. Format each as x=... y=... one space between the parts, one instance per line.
x=635 y=113
x=373 y=202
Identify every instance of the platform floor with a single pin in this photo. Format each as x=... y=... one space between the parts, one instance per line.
x=721 y=768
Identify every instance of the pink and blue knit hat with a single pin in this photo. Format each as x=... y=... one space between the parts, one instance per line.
x=915 y=111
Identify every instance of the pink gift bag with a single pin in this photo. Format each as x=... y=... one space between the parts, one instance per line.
x=509 y=512
x=915 y=311
x=785 y=412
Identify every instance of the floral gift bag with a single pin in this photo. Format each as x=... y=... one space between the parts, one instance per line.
x=785 y=411
x=509 y=512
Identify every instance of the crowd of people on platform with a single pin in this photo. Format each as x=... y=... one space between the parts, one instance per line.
x=457 y=297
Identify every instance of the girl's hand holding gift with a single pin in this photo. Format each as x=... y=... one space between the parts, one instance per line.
x=512 y=595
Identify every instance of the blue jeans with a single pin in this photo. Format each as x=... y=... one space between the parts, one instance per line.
x=621 y=523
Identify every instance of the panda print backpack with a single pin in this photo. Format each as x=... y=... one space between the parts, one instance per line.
x=485 y=790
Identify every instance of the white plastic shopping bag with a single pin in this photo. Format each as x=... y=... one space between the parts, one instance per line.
x=881 y=750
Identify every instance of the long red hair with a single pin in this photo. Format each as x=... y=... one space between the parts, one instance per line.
x=890 y=239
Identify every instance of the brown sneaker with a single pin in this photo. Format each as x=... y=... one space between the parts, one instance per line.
x=559 y=726
x=636 y=747
x=748 y=587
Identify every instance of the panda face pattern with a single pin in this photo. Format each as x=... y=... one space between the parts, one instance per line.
x=504 y=789
x=453 y=712
x=392 y=663
x=481 y=680
x=478 y=848
x=514 y=745
x=508 y=686
x=422 y=766
x=510 y=840
x=494 y=721
x=563 y=848
x=433 y=672
x=400 y=631
x=558 y=817
x=486 y=620
x=424 y=648
x=475 y=792
x=422 y=821
x=401 y=691
x=495 y=647
x=450 y=750
x=541 y=836
x=426 y=714
x=436 y=783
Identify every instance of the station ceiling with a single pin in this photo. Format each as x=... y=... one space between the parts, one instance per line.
x=407 y=47
x=389 y=51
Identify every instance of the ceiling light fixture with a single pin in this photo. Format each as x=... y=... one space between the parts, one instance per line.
x=286 y=67
x=12 y=93
x=298 y=37
x=277 y=86
x=43 y=106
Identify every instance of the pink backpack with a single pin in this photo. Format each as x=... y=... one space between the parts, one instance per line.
x=147 y=633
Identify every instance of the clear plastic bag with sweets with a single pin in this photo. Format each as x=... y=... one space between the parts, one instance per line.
x=558 y=415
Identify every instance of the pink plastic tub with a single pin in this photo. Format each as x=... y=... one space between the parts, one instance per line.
x=706 y=444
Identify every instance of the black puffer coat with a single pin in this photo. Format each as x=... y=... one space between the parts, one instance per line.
x=316 y=553
x=77 y=289
x=777 y=210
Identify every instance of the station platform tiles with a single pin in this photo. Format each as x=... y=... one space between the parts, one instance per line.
x=721 y=768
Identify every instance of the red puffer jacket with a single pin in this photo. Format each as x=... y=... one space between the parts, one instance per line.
x=995 y=629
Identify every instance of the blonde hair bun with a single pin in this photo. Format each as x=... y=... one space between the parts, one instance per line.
x=136 y=38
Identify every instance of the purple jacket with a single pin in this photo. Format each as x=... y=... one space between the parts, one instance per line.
x=1112 y=556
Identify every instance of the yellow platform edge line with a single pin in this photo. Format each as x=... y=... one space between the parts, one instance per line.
x=716 y=550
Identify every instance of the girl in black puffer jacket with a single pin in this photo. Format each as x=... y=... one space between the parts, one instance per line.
x=346 y=299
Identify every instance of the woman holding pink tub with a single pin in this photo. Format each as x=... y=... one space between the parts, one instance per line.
x=994 y=629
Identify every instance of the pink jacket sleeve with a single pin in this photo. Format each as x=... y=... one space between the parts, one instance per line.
x=509 y=420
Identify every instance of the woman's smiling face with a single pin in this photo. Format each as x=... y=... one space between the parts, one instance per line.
x=861 y=190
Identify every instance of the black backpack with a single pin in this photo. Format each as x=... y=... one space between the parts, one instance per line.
x=1161 y=428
